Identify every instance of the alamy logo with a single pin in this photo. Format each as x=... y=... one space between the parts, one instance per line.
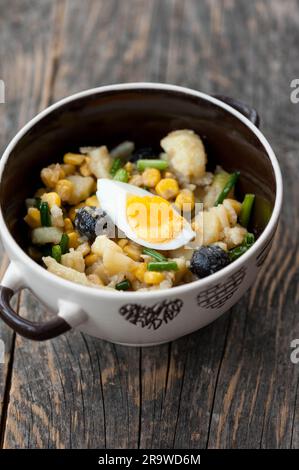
x=295 y=353
x=2 y=91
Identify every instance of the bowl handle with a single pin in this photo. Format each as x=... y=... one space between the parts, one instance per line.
x=243 y=108
x=69 y=314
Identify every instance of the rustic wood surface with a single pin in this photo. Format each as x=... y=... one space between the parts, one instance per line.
x=232 y=384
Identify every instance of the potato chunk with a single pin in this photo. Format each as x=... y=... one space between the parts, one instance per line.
x=116 y=263
x=186 y=154
x=74 y=260
x=114 y=260
x=82 y=188
x=43 y=235
x=66 y=272
x=103 y=243
x=100 y=162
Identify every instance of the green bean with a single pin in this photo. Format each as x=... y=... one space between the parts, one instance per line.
x=228 y=187
x=64 y=243
x=246 y=209
x=123 y=285
x=162 y=266
x=154 y=254
x=45 y=214
x=159 y=164
x=56 y=253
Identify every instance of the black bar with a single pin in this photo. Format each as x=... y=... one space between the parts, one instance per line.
x=148 y=458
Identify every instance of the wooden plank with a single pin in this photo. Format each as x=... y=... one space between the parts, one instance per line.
x=98 y=404
x=7 y=339
x=22 y=100
x=256 y=394
x=231 y=384
x=24 y=72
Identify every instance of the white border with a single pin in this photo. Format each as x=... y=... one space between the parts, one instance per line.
x=157 y=293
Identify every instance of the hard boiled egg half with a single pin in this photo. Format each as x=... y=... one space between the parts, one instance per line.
x=143 y=217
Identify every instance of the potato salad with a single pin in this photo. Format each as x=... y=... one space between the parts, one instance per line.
x=131 y=218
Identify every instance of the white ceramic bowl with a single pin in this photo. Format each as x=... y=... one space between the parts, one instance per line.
x=143 y=112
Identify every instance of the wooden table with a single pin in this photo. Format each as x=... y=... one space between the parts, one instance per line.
x=232 y=384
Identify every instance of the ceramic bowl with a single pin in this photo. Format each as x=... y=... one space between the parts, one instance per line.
x=143 y=113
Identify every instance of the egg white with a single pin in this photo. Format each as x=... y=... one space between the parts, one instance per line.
x=112 y=196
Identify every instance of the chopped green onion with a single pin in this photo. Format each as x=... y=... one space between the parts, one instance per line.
x=246 y=209
x=238 y=251
x=123 y=150
x=249 y=240
x=45 y=214
x=154 y=254
x=235 y=253
x=123 y=285
x=159 y=164
x=121 y=175
x=64 y=243
x=38 y=202
x=56 y=253
x=116 y=165
x=227 y=188
x=162 y=266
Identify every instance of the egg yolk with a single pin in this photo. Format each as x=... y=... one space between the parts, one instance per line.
x=153 y=219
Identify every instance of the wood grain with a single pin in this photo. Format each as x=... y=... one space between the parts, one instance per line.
x=231 y=384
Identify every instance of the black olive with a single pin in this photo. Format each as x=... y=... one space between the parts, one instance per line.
x=91 y=221
x=145 y=153
x=207 y=260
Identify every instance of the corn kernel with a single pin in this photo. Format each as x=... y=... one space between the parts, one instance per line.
x=65 y=189
x=90 y=259
x=92 y=201
x=40 y=192
x=73 y=239
x=153 y=277
x=129 y=167
x=68 y=169
x=139 y=271
x=72 y=211
x=151 y=177
x=167 y=188
x=185 y=200
x=53 y=199
x=133 y=251
x=68 y=225
x=33 y=217
x=123 y=242
x=85 y=170
x=73 y=158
